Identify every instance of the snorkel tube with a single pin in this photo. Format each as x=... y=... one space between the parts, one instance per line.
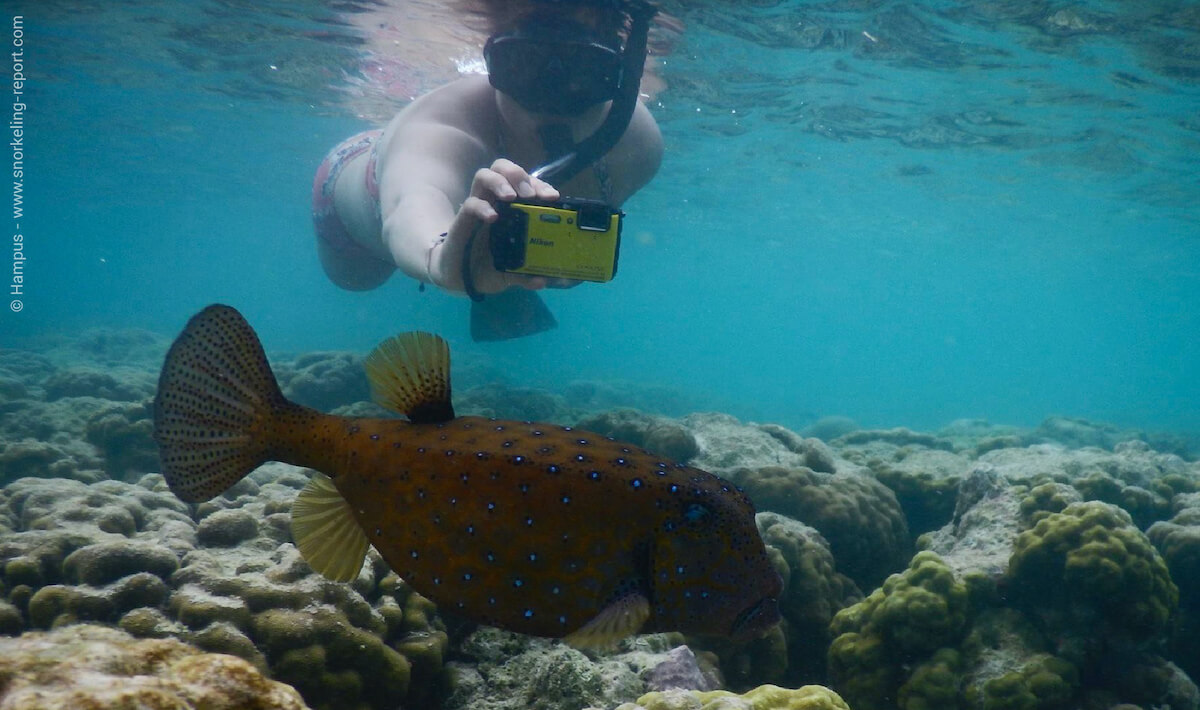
x=577 y=157
x=586 y=152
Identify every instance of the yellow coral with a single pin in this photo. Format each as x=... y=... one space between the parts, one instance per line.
x=764 y=697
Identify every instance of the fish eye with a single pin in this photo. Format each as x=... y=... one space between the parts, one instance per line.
x=696 y=511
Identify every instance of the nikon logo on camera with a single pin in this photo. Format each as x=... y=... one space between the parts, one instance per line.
x=570 y=239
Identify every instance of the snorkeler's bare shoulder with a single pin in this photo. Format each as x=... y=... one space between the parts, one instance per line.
x=635 y=159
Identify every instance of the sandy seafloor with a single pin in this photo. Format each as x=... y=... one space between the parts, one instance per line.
x=1051 y=567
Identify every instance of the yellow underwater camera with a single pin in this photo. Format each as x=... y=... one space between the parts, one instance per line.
x=573 y=238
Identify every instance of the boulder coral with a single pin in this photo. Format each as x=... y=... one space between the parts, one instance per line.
x=660 y=435
x=324 y=380
x=911 y=616
x=495 y=669
x=222 y=576
x=857 y=514
x=87 y=667
x=1178 y=541
x=813 y=591
x=765 y=697
x=1088 y=570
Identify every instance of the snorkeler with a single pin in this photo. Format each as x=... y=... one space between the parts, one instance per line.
x=418 y=195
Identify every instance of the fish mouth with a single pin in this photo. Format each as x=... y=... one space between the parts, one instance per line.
x=755 y=620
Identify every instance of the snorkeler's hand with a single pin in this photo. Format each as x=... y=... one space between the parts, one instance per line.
x=504 y=181
x=507 y=181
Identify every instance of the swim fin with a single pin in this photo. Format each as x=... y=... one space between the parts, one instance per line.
x=515 y=313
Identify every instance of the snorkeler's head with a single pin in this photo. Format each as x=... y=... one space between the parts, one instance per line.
x=560 y=57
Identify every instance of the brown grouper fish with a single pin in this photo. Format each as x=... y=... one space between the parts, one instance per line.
x=536 y=528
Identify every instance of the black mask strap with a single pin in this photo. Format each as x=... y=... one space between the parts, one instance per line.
x=577 y=158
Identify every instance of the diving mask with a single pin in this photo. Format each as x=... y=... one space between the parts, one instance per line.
x=554 y=66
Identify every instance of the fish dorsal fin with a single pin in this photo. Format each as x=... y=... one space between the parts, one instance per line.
x=326 y=533
x=410 y=374
x=619 y=619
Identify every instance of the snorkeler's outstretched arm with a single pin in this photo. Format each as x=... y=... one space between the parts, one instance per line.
x=431 y=185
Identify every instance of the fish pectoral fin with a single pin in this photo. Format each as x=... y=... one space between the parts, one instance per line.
x=410 y=374
x=325 y=531
x=619 y=619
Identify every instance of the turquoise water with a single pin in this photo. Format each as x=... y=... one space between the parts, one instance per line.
x=978 y=210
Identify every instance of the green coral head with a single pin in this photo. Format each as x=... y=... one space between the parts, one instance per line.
x=1092 y=554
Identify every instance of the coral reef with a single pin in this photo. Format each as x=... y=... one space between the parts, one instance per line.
x=813 y=591
x=831 y=427
x=924 y=480
x=87 y=667
x=1004 y=665
x=727 y=444
x=119 y=385
x=858 y=515
x=1089 y=570
x=1069 y=605
x=765 y=697
x=1178 y=541
x=913 y=614
x=658 y=434
x=499 y=670
x=226 y=581
x=978 y=542
x=324 y=380
x=506 y=402
x=1035 y=587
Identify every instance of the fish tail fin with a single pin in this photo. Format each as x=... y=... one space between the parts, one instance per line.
x=216 y=404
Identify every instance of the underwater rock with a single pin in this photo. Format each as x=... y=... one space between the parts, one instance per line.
x=813 y=592
x=765 y=697
x=814 y=452
x=899 y=436
x=106 y=562
x=520 y=403
x=1078 y=433
x=110 y=347
x=12 y=388
x=120 y=385
x=1132 y=475
x=500 y=670
x=925 y=480
x=1178 y=541
x=727 y=444
x=1004 y=662
x=324 y=380
x=857 y=514
x=132 y=555
x=62 y=422
x=986 y=520
x=25 y=366
x=85 y=667
x=124 y=435
x=680 y=669
x=658 y=435
x=831 y=427
x=226 y=528
x=42 y=459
